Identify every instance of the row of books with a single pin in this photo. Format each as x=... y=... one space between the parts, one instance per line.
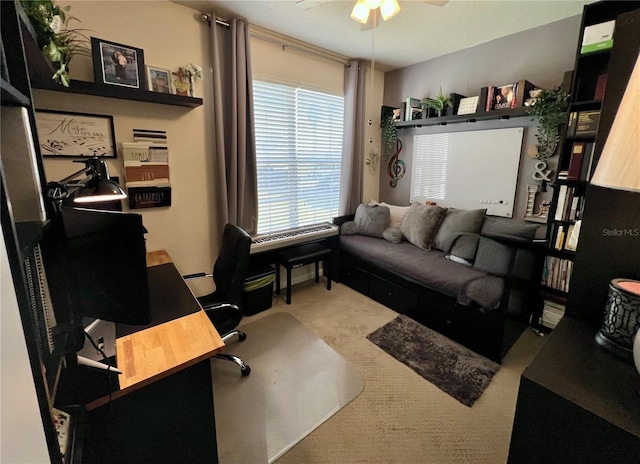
x=580 y=162
x=556 y=273
x=566 y=236
x=583 y=123
x=146 y=168
x=552 y=312
x=570 y=204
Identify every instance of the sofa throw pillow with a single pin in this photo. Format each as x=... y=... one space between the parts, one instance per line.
x=392 y=235
x=372 y=220
x=348 y=228
x=494 y=257
x=494 y=227
x=465 y=247
x=397 y=214
x=420 y=224
x=455 y=223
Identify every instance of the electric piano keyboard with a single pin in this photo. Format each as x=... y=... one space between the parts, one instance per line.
x=266 y=242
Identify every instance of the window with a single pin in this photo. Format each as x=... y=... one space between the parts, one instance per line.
x=429 y=176
x=299 y=155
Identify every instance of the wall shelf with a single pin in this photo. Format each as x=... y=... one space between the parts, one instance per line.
x=503 y=114
x=112 y=91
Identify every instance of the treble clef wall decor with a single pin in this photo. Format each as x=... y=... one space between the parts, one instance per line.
x=396 y=167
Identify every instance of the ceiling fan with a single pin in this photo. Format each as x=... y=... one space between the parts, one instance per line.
x=362 y=9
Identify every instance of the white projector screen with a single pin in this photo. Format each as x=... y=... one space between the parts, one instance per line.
x=468 y=170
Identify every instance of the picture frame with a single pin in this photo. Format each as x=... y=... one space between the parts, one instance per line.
x=158 y=79
x=117 y=64
x=75 y=135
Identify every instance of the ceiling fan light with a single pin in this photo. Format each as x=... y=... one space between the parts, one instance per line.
x=360 y=12
x=389 y=8
x=373 y=4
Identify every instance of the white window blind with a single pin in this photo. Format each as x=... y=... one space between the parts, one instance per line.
x=299 y=153
x=429 y=177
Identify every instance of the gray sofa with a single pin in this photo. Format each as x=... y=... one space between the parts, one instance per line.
x=462 y=273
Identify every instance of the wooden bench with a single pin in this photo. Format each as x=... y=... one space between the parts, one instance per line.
x=298 y=256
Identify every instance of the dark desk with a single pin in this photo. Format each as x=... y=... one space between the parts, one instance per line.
x=576 y=403
x=163 y=410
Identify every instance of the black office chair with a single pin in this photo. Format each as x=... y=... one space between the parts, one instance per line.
x=224 y=305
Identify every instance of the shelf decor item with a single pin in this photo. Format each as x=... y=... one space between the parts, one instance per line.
x=117 y=64
x=438 y=104
x=58 y=43
x=622 y=317
x=158 y=79
x=550 y=106
x=193 y=72
x=77 y=135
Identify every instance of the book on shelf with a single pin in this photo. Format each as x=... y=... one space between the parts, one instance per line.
x=412 y=109
x=597 y=37
x=601 y=85
x=573 y=235
x=583 y=123
x=552 y=312
x=575 y=162
x=556 y=273
x=562 y=197
x=587 y=162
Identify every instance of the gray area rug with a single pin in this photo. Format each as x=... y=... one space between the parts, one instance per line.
x=454 y=369
x=297 y=382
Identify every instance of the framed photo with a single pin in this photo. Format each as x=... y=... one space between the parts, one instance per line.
x=117 y=64
x=77 y=135
x=158 y=79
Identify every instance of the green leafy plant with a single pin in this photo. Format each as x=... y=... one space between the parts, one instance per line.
x=550 y=107
x=58 y=43
x=439 y=103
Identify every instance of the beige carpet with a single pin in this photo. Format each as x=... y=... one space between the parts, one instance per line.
x=399 y=417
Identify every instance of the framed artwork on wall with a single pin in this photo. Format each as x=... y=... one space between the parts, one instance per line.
x=158 y=79
x=76 y=135
x=117 y=64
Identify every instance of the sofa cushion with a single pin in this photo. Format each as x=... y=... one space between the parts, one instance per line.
x=455 y=223
x=420 y=224
x=465 y=247
x=348 y=228
x=397 y=214
x=494 y=257
x=494 y=227
x=372 y=220
x=431 y=269
x=392 y=235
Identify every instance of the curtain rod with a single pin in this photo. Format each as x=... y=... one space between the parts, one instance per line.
x=267 y=36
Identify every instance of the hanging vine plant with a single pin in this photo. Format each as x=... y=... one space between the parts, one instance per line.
x=389 y=136
x=550 y=107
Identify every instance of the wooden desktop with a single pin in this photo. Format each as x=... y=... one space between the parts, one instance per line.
x=163 y=408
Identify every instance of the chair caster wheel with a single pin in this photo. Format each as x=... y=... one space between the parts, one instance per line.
x=242 y=336
x=245 y=371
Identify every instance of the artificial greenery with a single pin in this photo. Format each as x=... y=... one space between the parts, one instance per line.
x=389 y=134
x=550 y=107
x=439 y=103
x=58 y=43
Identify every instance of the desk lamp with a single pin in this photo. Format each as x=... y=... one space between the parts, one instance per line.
x=619 y=168
x=89 y=185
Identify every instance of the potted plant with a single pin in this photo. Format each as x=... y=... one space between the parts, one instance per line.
x=438 y=104
x=550 y=107
x=58 y=43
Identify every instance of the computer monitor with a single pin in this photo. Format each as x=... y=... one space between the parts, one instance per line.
x=99 y=270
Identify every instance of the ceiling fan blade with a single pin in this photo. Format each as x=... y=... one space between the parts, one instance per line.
x=372 y=22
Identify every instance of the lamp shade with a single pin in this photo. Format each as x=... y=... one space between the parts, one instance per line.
x=360 y=12
x=103 y=190
x=619 y=164
x=389 y=8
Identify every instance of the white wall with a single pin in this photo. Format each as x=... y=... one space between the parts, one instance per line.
x=170 y=35
x=540 y=55
x=21 y=433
